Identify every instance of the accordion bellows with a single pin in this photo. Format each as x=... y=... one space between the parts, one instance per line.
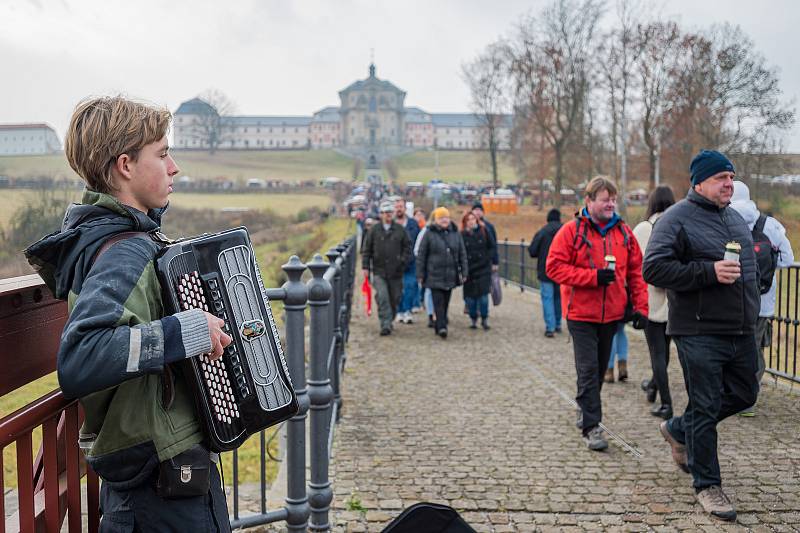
x=249 y=388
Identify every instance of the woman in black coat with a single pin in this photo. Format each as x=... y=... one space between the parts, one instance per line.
x=479 y=245
x=441 y=264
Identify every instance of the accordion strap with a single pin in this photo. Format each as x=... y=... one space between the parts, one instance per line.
x=167 y=389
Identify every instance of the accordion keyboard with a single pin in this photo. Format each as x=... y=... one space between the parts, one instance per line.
x=218 y=384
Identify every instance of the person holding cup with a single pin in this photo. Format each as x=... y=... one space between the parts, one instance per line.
x=713 y=306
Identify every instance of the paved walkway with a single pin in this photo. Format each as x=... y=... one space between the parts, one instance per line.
x=484 y=421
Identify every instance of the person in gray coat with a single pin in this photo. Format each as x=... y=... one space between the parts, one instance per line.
x=441 y=264
x=385 y=252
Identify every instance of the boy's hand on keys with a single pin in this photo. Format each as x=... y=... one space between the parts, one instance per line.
x=219 y=339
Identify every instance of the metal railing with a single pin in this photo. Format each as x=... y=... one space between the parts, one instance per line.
x=49 y=486
x=518 y=268
x=781 y=355
x=516 y=265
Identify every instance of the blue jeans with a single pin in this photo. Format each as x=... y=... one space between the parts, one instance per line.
x=418 y=296
x=720 y=376
x=551 y=305
x=475 y=304
x=619 y=347
x=410 y=289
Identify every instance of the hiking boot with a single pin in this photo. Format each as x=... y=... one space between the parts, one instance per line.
x=558 y=330
x=622 y=371
x=485 y=324
x=474 y=324
x=609 y=377
x=716 y=503
x=594 y=440
x=443 y=333
x=649 y=387
x=549 y=334
x=385 y=331
x=662 y=411
x=431 y=323
x=678 y=449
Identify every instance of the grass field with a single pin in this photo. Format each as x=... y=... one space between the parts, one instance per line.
x=238 y=165
x=470 y=167
x=289 y=166
x=284 y=205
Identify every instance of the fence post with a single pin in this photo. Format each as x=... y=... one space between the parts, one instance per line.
x=336 y=303
x=320 y=394
x=522 y=265
x=294 y=306
x=505 y=256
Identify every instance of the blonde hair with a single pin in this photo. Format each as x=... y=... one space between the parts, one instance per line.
x=103 y=128
x=597 y=184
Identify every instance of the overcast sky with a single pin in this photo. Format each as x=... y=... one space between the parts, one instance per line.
x=291 y=57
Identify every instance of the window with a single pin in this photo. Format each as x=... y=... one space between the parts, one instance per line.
x=270 y=130
x=295 y=130
x=245 y=130
x=283 y=130
x=270 y=142
x=258 y=130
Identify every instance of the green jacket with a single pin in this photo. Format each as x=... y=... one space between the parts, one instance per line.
x=117 y=342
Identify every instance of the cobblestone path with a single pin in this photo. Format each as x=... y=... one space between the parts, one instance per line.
x=483 y=421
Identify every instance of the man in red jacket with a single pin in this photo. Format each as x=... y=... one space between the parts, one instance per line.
x=597 y=262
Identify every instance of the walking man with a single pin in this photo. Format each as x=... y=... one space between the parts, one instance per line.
x=596 y=257
x=385 y=253
x=701 y=252
x=550 y=292
x=773 y=250
x=410 y=287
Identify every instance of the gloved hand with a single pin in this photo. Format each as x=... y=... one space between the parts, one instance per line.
x=605 y=276
x=638 y=320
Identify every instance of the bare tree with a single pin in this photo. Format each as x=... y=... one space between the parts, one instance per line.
x=551 y=58
x=486 y=77
x=728 y=91
x=658 y=49
x=212 y=126
x=617 y=65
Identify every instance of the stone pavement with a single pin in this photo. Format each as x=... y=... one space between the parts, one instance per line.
x=484 y=422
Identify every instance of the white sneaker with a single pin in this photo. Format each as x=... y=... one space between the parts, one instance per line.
x=409 y=318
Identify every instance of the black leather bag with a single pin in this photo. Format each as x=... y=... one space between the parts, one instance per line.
x=186 y=475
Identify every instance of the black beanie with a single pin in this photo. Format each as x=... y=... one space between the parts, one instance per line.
x=477 y=205
x=707 y=163
x=554 y=215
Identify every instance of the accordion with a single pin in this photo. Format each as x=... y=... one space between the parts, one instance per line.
x=249 y=388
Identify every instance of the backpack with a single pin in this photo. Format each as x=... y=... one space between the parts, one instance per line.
x=766 y=255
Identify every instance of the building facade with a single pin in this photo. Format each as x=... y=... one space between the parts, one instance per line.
x=371 y=115
x=28 y=139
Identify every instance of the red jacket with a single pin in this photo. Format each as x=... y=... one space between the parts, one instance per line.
x=577 y=251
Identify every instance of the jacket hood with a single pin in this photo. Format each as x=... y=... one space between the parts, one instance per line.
x=86 y=226
x=584 y=214
x=742 y=203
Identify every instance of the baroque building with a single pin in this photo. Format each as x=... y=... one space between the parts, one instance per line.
x=371 y=117
x=28 y=139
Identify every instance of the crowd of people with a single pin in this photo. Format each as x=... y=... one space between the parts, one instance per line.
x=416 y=261
x=699 y=273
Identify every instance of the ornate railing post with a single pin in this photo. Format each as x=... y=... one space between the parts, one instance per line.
x=295 y=305
x=320 y=394
x=336 y=314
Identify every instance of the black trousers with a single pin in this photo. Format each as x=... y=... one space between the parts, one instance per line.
x=592 y=344
x=720 y=376
x=441 y=301
x=658 y=343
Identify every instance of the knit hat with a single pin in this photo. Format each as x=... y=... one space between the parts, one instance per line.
x=707 y=163
x=554 y=215
x=440 y=212
x=478 y=205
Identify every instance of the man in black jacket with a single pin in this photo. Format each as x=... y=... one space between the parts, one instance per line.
x=550 y=292
x=385 y=252
x=713 y=305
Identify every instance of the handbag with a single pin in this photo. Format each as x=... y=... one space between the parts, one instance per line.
x=496 y=289
x=186 y=475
